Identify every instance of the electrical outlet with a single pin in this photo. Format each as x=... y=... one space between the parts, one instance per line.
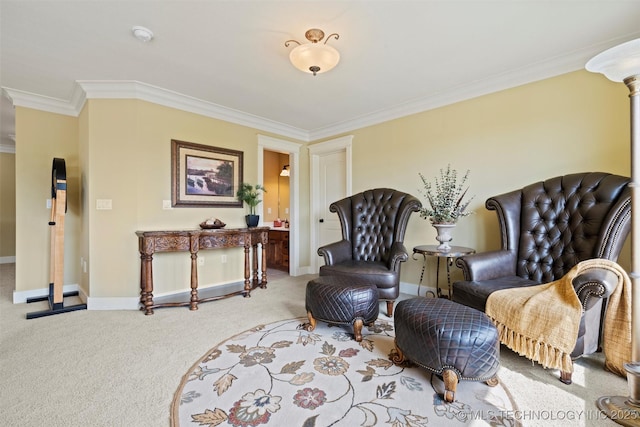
x=103 y=204
x=223 y=259
x=201 y=260
x=269 y=211
x=286 y=210
x=166 y=204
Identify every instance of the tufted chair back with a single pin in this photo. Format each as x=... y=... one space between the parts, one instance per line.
x=373 y=220
x=554 y=224
x=372 y=247
x=546 y=229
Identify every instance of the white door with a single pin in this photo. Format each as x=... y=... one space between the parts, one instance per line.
x=330 y=181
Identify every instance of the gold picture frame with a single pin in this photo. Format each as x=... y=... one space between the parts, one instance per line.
x=204 y=176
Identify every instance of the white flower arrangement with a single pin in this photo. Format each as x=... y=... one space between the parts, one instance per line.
x=445 y=197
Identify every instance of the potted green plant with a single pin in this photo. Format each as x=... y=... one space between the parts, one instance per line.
x=446 y=203
x=250 y=194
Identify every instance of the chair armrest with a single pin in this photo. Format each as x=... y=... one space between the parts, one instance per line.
x=336 y=252
x=593 y=285
x=397 y=255
x=487 y=265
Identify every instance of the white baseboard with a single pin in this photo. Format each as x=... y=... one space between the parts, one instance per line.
x=304 y=270
x=412 y=289
x=132 y=303
x=113 y=303
x=7 y=260
x=128 y=303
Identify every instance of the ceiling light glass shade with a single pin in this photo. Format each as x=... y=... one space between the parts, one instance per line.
x=314 y=58
x=617 y=63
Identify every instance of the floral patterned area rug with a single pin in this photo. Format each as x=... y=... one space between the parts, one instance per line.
x=280 y=375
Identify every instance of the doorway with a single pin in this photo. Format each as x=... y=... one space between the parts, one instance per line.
x=269 y=148
x=330 y=181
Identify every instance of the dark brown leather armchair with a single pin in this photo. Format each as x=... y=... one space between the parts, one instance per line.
x=372 y=249
x=546 y=229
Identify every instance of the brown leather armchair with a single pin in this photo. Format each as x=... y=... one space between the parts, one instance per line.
x=546 y=229
x=372 y=249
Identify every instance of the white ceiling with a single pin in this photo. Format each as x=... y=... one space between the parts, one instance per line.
x=397 y=57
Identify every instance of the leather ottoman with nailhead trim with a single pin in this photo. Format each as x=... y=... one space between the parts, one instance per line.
x=452 y=340
x=341 y=300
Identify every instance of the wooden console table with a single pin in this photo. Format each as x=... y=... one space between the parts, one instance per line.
x=150 y=242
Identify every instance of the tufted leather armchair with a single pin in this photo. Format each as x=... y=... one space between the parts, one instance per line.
x=546 y=229
x=372 y=249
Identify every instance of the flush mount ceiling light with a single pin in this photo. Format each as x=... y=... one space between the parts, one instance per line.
x=141 y=33
x=314 y=57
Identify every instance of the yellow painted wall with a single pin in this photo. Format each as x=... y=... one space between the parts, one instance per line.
x=129 y=162
x=571 y=123
x=41 y=136
x=7 y=205
x=84 y=262
x=120 y=150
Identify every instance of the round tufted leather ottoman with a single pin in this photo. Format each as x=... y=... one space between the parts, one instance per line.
x=341 y=300
x=449 y=339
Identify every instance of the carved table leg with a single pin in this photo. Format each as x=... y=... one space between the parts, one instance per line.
x=254 y=253
x=263 y=284
x=193 y=302
x=146 y=283
x=247 y=271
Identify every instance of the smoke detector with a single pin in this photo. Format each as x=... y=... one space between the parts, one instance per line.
x=141 y=33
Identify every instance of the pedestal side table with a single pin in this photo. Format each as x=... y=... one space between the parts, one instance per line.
x=449 y=256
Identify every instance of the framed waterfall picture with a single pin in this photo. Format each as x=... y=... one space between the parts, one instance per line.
x=204 y=176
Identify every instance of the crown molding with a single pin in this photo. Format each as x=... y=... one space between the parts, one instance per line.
x=128 y=89
x=131 y=89
x=137 y=90
x=5 y=148
x=530 y=73
x=21 y=98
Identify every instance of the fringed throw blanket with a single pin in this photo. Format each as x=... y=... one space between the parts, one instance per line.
x=541 y=322
x=616 y=342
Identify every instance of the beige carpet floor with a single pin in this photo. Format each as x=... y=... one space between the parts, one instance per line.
x=121 y=368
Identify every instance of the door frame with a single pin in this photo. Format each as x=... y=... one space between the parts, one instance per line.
x=341 y=144
x=293 y=149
